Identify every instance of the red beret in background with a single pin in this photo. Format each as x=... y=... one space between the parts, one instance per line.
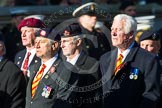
x=31 y=22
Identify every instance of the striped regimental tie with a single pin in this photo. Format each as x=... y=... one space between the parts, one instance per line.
x=118 y=63
x=37 y=79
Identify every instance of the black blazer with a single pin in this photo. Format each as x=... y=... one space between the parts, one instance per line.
x=12 y=85
x=85 y=79
x=124 y=91
x=20 y=56
x=58 y=94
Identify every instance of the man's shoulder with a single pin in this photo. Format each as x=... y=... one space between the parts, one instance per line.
x=22 y=52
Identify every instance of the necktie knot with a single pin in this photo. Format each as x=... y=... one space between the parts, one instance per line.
x=28 y=55
x=120 y=57
x=43 y=66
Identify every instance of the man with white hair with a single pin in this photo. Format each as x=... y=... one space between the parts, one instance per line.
x=131 y=75
x=25 y=58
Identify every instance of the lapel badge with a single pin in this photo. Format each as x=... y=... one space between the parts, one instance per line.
x=46 y=91
x=46 y=76
x=28 y=73
x=134 y=73
x=19 y=57
x=18 y=62
x=52 y=69
x=36 y=61
x=131 y=76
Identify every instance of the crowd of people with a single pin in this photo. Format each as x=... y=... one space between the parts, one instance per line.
x=80 y=66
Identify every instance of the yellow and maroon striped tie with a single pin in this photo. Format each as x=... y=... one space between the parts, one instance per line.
x=37 y=79
x=118 y=63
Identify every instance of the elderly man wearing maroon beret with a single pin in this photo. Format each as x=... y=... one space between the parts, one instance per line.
x=25 y=58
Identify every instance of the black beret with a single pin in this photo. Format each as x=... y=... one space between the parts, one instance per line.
x=86 y=9
x=125 y=4
x=71 y=30
x=46 y=33
x=149 y=35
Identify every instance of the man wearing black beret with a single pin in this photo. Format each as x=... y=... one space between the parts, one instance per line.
x=96 y=43
x=85 y=75
x=44 y=90
x=150 y=41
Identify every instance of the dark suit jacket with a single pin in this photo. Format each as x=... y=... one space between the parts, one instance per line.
x=124 y=92
x=95 y=43
x=85 y=79
x=20 y=56
x=55 y=80
x=12 y=85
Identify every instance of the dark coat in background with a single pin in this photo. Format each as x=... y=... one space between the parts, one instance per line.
x=95 y=43
x=12 y=85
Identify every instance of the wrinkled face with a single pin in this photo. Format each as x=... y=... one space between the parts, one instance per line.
x=118 y=35
x=130 y=10
x=150 y=45
x=68 y=46
x=43 y=47
x=88 y=20
x=1 y=48
x=27 y=36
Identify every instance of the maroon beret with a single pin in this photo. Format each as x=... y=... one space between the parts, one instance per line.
x=31 y=22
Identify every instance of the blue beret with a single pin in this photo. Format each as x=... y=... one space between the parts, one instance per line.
x=149 y=35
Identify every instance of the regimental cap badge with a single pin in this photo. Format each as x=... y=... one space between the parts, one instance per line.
x=66 y=33
x=154 y=36
x=27 y=23
x=92 y=7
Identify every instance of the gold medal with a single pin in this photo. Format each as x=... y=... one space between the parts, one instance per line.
x=135 y=77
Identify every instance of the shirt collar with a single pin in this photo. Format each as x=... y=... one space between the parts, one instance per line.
x=125 y=53
x=74 y=60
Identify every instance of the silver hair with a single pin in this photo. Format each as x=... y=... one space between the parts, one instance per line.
x=130 y=24
x=75 y=38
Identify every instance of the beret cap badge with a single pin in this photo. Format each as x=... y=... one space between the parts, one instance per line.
x=66 y=33
x=154 y=36
x=92 y=7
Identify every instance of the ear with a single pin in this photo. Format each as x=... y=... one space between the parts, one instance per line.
x=55 y=45
x=79 y=41
x=130 y=35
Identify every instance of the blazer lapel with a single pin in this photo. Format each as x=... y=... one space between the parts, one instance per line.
x=47 y=78
x=129 y=58
x=33 y=71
